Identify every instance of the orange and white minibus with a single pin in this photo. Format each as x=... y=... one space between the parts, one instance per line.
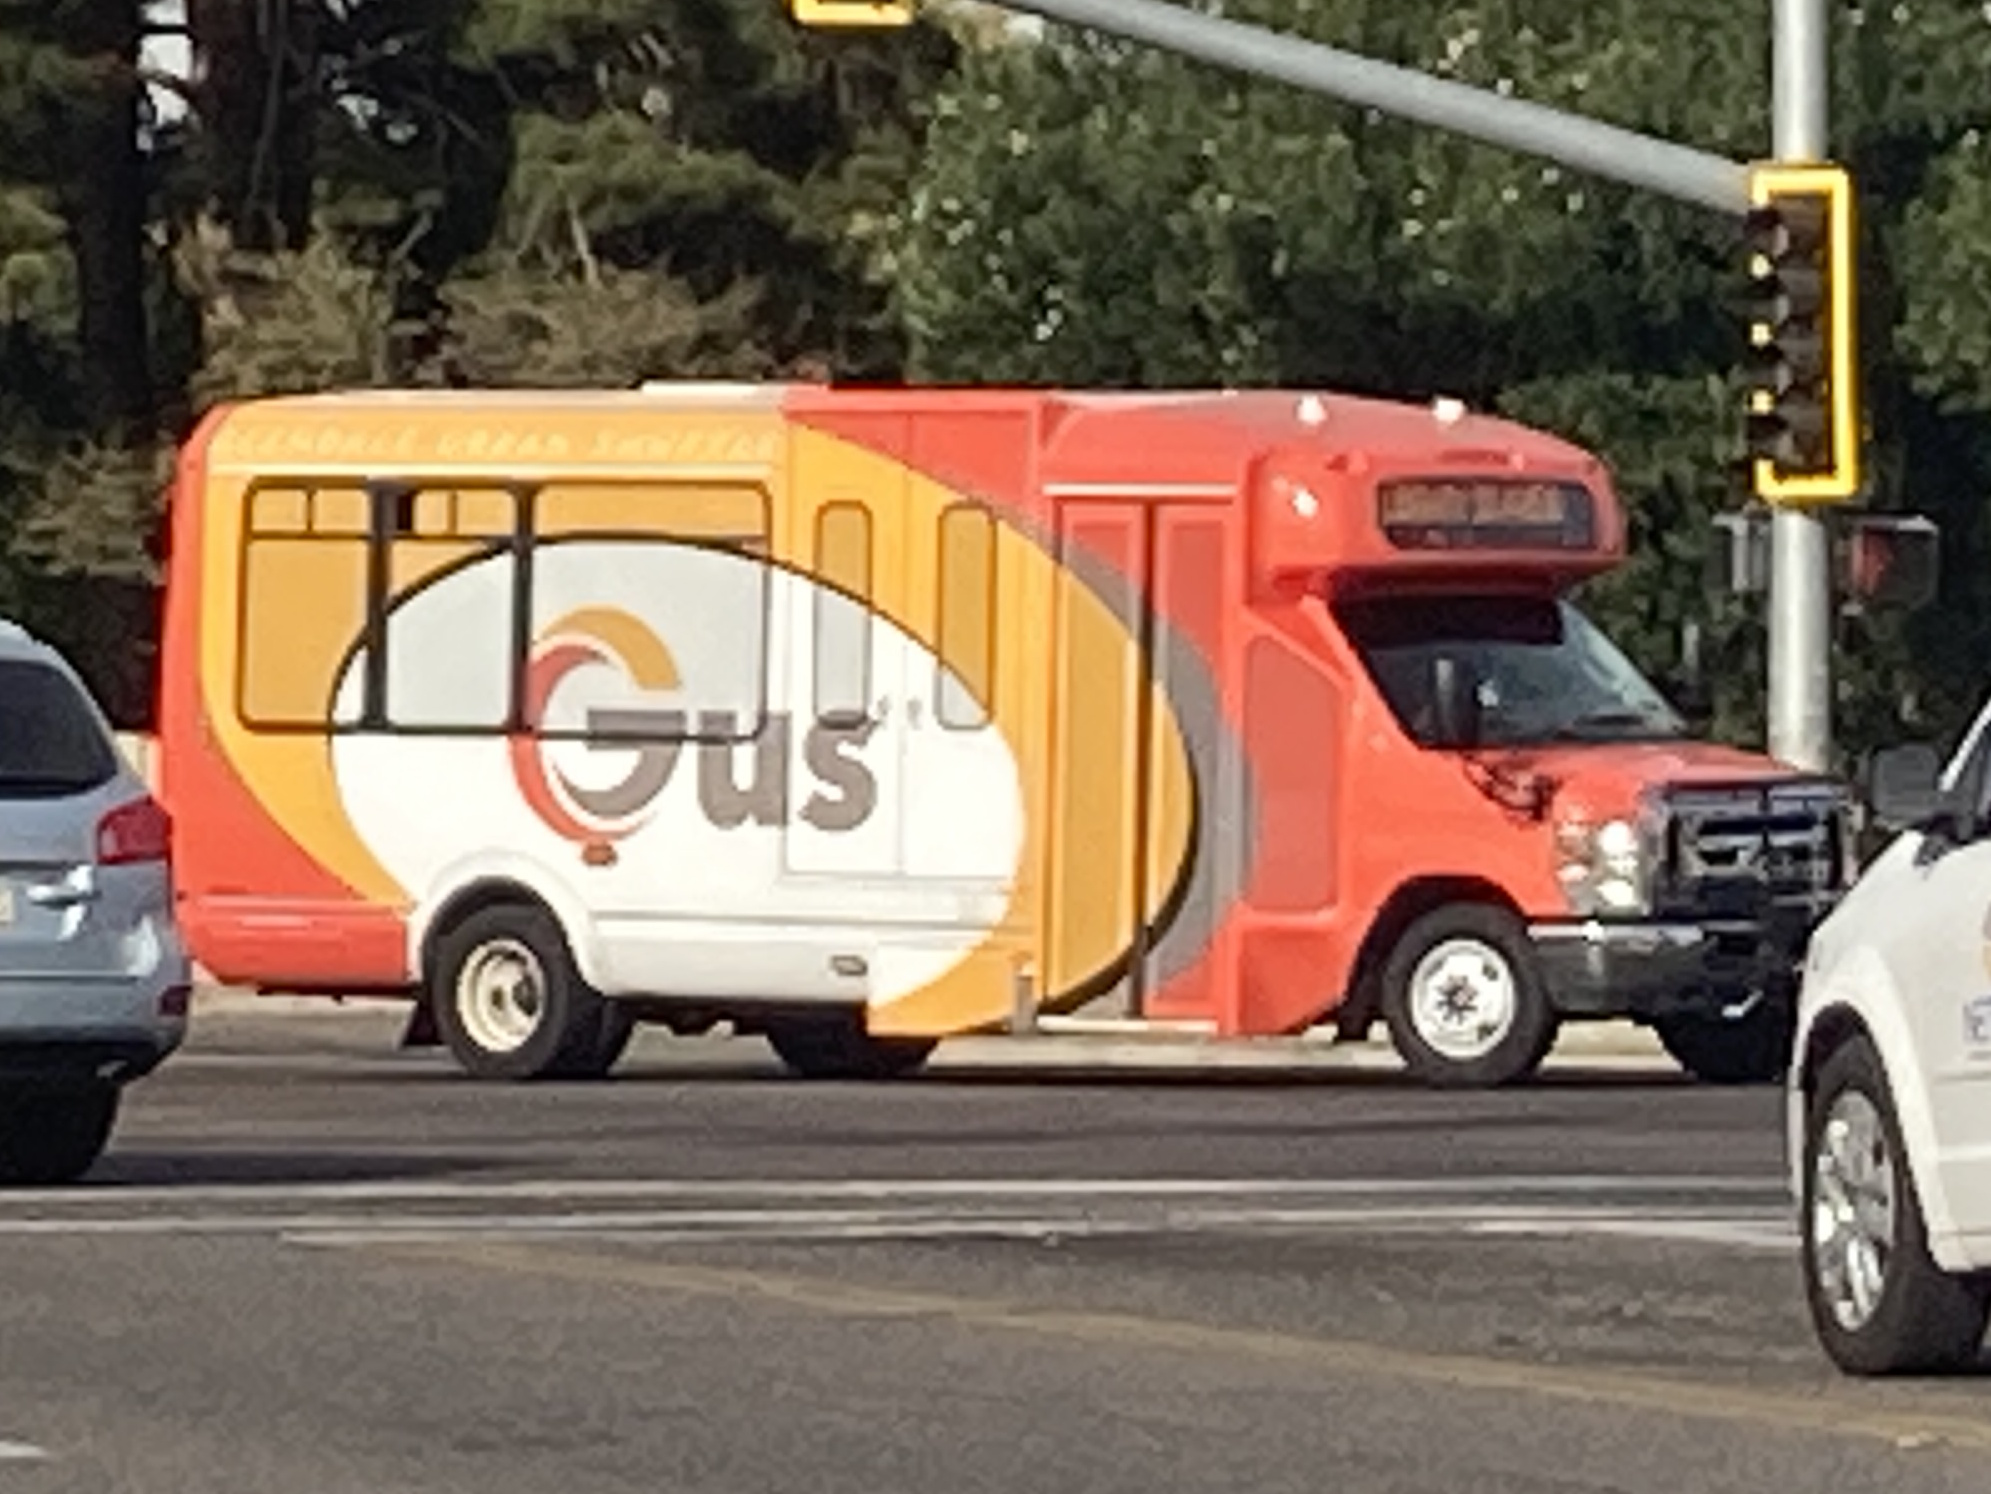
x=864 y=718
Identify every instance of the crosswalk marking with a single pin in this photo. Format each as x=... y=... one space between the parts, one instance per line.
x=1755 y=1233
x=1751 y=1234
x=120 y=1195
x=1733 y=1212
x=21 y=1452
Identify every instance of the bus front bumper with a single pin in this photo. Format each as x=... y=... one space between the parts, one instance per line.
x=1650 y=970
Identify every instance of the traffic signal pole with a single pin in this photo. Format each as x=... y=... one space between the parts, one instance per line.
x=1800 y=611
x=1569 y=139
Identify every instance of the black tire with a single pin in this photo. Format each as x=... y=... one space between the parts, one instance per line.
x=1924 y=1320
x=55 y=1134
x=559 y=1028
x=1500 y=942
x=618 y=1029
x=1752 y=1049
x=840 y=1048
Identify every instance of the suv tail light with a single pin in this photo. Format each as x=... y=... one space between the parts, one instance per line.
x=138 y=831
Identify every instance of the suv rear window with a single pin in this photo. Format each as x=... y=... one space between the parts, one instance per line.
x=51 y=741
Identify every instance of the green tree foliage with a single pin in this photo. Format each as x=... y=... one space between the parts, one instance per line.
x=1090 y=212
x=323 y=318
x=366 y=192
x=596 y=191
x=81 y=364
x=717 y=139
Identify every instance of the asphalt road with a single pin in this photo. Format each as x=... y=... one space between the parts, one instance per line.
x=315 y=1265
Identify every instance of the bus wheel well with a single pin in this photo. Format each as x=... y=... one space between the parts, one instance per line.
x=1410 y=902
x=466 y=901
x=1833 y=1030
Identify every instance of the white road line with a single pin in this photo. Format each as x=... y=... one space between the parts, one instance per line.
x=828 y=1224
x=1764 y=1234
x=1753 y=1234
x=115 y=1196
x=21 y=1452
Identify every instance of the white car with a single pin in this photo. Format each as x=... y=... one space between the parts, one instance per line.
x=1888 y=1109
x=94 y=977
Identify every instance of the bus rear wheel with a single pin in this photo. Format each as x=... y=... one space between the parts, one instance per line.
x=840 y=1048
x=510 y=1003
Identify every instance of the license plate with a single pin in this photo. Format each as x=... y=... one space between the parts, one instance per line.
x=6 y=905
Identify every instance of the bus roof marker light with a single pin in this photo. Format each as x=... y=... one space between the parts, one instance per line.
x=1313 y=410
x=1447 y=410
x=721 y=389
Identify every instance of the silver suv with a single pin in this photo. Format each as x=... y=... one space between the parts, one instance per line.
x=94 y=978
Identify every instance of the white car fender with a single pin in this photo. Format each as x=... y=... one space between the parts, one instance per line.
x=1859 y=984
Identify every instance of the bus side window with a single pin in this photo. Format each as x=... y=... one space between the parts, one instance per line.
x=842 y=631
x=449 y=627
x=965 y=682
x=303 y=607
x=668 y=580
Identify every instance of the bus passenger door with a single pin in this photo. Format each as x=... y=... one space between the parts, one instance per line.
x=1140 y=595
x=1093 y=914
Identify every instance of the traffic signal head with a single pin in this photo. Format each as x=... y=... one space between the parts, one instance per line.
x=852 y=12
x=1803 y=415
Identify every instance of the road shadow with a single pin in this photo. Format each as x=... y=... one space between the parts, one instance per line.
x=1025 y=1076
x=425 y=1071
x=143 y=1167
x=748 y=1064
x=1218 y=1078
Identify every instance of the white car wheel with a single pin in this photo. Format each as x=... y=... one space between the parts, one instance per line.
x=1879 y=1303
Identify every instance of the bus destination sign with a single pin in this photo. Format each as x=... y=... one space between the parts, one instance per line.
x=1486 y=514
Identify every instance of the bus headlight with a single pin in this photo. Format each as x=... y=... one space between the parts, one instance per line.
x=1603 y=868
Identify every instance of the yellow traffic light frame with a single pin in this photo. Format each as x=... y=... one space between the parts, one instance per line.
x=1767 y=184
x=852 y=12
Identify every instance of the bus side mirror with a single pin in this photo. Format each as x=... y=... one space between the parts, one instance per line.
x=1455 y=695
x=1688 y=687
x=1694 y=701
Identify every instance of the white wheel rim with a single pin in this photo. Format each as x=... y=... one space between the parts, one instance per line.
x=1854 y=1211
x=1463 y=999
x=501 y=995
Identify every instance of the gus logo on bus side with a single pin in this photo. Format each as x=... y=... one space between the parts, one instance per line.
x=679 y=749
x=614 y=650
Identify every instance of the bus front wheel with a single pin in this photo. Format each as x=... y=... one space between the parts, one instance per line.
x=1464 y=1002
x=511 y=1004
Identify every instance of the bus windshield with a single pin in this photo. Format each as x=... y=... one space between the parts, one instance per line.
x=1544 y=673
